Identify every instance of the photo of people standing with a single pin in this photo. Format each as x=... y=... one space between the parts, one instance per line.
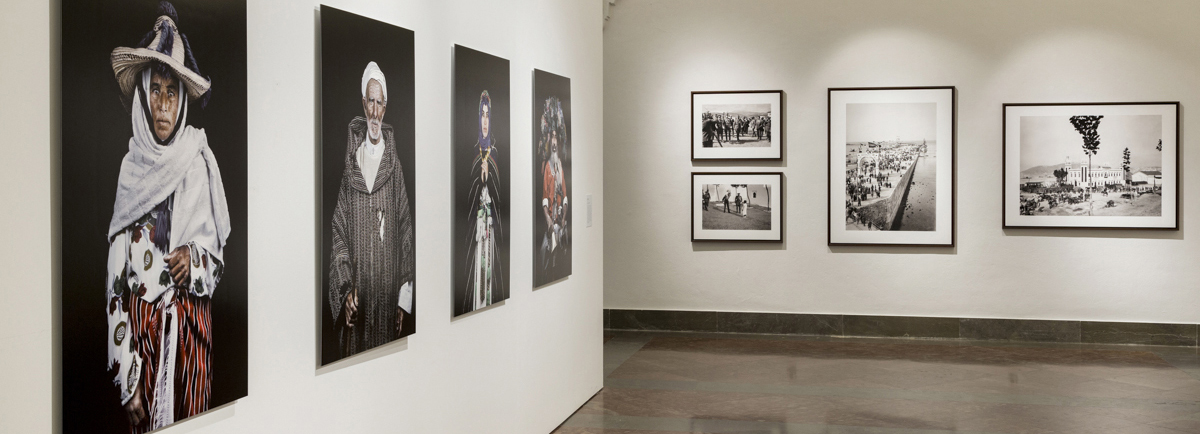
x=154 y=184
x=368 y=118
x=737 y=125
x=481 y=180
x=551 y=177
x=736 y=206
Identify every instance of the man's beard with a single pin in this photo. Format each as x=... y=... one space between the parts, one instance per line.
x=374 y=131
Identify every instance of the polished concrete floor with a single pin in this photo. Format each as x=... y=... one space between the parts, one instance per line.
x=721 y=383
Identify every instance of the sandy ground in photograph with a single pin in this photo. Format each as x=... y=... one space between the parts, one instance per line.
x=1148 y=204
x=757 y=218
x=746 y=142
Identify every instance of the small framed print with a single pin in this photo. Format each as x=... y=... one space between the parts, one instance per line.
x=737 y=125
x=1091 y=166
x=737 y=206
x=891 y=166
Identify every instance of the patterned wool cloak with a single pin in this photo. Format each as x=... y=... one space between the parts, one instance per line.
x=372 y=246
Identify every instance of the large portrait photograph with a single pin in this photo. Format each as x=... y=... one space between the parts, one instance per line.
x=891 y=166
x=368 y=244
x=154 y=231
x=1097 y=166
x=737 y=125
x=551 y=178
x=737 y=206
x=481 y=158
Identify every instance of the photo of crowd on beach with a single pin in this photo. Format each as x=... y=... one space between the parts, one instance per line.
x=737 y=125
x=891 y=167
x=1091 y=165
x=736 y=206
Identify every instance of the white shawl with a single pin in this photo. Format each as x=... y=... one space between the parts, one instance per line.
x=186 y=167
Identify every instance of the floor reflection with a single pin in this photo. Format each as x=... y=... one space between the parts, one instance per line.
x=722 y=383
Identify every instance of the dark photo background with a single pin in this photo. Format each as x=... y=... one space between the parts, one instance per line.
x=95 y=137
x=348 y=43
x=546 y=85
x=475 y=72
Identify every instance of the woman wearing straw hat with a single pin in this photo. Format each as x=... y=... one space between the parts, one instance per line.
x=168 y=231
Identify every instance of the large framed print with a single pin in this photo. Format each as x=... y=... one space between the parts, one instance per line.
x=891 y=166
x=368 y=184
x=745 y=206
x=1091 y=165
x=737 y=125
x=154 y=205
x=481 y=202
x=552 y=228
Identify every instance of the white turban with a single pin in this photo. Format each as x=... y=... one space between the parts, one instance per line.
x=373 y=72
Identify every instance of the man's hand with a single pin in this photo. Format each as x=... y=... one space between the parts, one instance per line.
x=134 y=409
x=399 y=321
x=351 y=307
x=180 y=264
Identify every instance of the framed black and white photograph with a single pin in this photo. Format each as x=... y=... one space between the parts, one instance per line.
x=737 y=206
x=1091 y=165
x=737 y=125
x=368 y=184
x=891 y=166
x=154 y=203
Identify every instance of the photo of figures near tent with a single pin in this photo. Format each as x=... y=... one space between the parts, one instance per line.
x=368 y=184
x=1098 y=165
x=737 y=125
x=1091 y=165
x=736 y=206
x=891 y=167
x=481 y=156
x=552 y=231
x=154 y=206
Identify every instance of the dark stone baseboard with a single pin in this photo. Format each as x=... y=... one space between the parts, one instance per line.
x=1017 y=330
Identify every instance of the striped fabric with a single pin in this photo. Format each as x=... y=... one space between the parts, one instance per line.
x=372 y=246
x=193 y=376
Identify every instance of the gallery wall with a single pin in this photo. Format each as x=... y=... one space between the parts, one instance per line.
x=520 y=367
x=658 y=51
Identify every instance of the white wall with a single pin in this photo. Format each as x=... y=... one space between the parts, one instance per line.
x=658 y=51
x=523 y=367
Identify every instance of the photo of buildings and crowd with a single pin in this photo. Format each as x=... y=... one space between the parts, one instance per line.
x=891 y=167
x=1091 y=165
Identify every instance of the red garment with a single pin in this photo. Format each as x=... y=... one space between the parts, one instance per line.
x=193 y=360
x=554 y=188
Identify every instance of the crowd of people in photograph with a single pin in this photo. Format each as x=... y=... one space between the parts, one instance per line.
x=720 y=128
x=1040 y=199
x=871 y=174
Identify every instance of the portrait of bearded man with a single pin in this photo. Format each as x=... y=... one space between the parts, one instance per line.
x=372 y=264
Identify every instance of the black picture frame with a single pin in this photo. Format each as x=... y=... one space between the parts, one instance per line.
x=953 y=188
x=778 y=201
x=1005 y=181
x=776 y=152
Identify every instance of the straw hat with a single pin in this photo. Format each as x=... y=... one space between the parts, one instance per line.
x=168 y=47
